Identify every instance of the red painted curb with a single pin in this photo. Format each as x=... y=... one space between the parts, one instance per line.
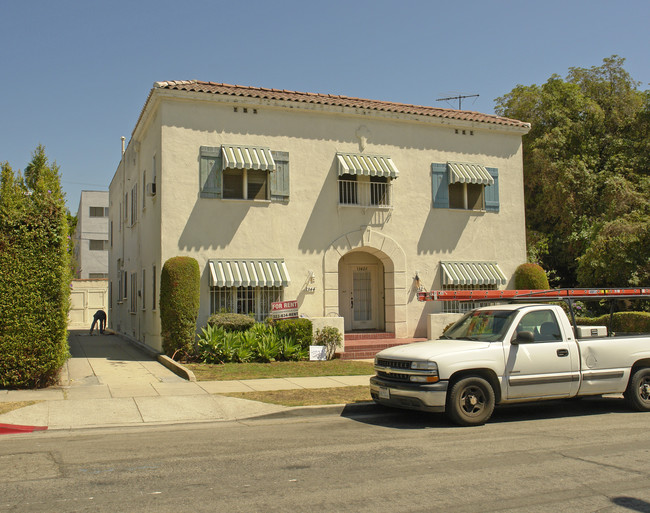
x=7 y=429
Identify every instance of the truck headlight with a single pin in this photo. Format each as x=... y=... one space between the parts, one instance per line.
x=430 y=366
x=424 y=379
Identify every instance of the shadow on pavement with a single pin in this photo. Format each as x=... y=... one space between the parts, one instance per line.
x=106 y=346
x=394 y=418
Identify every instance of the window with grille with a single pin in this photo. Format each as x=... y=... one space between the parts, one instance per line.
x=465 y=306
x=255 y=301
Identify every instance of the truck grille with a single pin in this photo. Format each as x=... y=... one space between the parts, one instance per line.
x=393 y=377
x=393 y=364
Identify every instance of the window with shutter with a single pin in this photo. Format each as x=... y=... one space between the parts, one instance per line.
x=454 y=186
x=224 y=176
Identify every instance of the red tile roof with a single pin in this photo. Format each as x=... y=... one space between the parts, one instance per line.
x=339 y=101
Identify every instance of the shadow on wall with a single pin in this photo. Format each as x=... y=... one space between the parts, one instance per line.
x=442 y=231
x=327 y=221
x=213 y=223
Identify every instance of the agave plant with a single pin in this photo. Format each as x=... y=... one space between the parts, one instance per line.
x=266 y=348
x=289 y=349
x=209 y=343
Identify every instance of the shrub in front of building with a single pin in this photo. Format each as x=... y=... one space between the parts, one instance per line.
x=231 y=321
x=34 y=275
x=622 y=322
x=180 y=283
x=260 y=343
x=300 y=330
x=531 y=277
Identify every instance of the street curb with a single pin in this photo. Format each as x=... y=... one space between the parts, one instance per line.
x=364 y=408
x=176 y=367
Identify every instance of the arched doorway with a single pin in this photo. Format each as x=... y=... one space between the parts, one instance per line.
x=361 y=291
x=368 y=243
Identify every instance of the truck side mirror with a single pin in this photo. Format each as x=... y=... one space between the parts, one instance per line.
x=523 y=337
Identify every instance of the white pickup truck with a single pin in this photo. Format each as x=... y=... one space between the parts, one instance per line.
x=506 y=354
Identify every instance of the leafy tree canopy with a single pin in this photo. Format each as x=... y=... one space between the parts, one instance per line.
x=586 y=174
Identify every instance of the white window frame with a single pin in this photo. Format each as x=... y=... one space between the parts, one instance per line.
x=246 y=300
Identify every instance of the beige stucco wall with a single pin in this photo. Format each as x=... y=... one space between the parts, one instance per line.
x=311 y=232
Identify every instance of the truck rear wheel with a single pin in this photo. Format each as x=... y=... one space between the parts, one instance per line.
x=638 y=390
x=470 y=401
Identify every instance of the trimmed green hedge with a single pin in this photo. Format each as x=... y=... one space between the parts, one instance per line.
x=622 y=322
x=180 y=283
x=34 y=275
x=300 y=330
x=531 y=277
x=231 y=321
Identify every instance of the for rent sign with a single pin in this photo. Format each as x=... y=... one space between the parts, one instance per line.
x=284 y=310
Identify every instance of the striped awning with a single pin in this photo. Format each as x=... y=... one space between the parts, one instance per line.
x=472 y=273
x=369 y=165
x=469 y=173
x=247 y=157
x=262 y=272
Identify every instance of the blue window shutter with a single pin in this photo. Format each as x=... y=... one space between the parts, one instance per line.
x=492 y=191
x=279 y=179
x=440 y=183
x=210 y=172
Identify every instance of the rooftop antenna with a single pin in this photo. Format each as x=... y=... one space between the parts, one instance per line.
x=460 y=97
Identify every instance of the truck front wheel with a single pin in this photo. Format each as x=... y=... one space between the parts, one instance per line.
x=470 y=401
x=638 y=390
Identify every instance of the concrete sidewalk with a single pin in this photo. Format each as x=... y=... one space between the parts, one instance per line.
x=110 y=382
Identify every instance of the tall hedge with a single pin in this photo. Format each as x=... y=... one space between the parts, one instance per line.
x=180 y=284
x=34 y=275
x=531 y=277
x=622 y=322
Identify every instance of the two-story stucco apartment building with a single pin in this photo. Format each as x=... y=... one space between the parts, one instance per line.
x=346 y=205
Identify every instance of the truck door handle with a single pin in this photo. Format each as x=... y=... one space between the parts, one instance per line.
x=563 y=352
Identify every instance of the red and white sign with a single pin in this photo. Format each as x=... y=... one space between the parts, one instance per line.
x=284 y=310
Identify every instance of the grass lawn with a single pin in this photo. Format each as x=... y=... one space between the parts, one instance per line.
x=229 y=371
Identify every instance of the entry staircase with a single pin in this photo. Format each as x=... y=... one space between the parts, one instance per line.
x=365 y=345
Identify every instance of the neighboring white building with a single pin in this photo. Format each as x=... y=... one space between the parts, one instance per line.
x=91 y=236
x=346 y=205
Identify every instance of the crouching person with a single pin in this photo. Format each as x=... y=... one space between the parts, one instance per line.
x=99 y=318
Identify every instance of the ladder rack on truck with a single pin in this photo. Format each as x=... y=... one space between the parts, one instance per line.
x=533 y=295
x=566 y=295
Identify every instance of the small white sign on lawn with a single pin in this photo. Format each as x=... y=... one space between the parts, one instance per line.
x=317 y=353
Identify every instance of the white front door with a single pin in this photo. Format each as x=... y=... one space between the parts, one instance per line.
x=363 y=296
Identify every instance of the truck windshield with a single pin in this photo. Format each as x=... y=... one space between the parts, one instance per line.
x=486 y=325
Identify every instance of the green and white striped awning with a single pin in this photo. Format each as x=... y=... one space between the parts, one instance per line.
x=254 y=272
x=369 y=165
x=247 y=157
x=469 y=173
x=472 y=273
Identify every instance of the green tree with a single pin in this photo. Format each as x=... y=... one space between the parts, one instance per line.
x=34 y=274
x=585 y=166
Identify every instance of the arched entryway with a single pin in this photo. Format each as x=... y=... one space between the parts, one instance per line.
x=361 y=291
x=380 y=255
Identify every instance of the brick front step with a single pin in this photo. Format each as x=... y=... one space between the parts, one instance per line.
x=368 y=348
x=371 y=335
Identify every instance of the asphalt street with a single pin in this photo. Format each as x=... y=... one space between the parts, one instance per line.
x=567 y=456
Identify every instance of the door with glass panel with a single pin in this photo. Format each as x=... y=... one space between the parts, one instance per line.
x=363 y=297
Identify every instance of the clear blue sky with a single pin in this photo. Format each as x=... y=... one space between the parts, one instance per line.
x=75 y=74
